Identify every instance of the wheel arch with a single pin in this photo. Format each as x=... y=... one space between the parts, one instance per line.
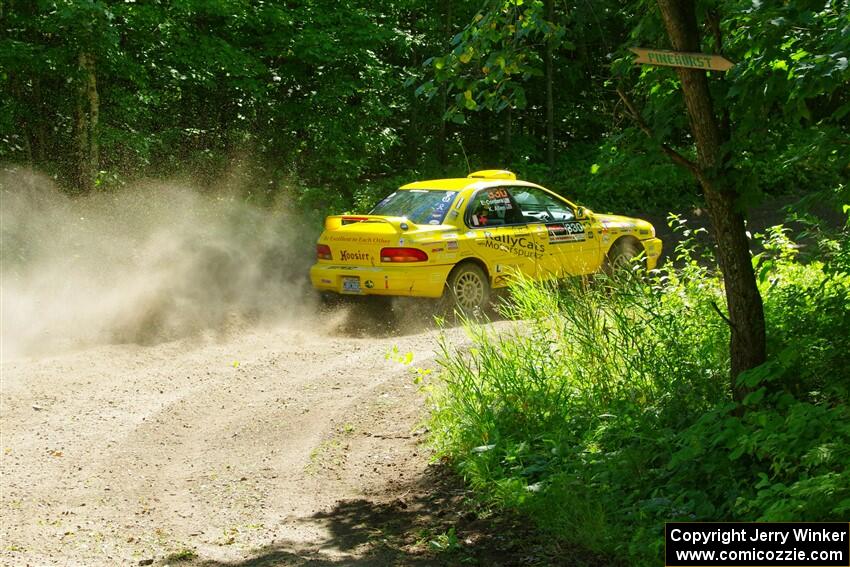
x=471 y=260
x=620 y=241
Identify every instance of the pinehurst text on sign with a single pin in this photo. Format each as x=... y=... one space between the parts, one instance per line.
x=681 y=59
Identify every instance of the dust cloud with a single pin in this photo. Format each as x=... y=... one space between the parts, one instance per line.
x=145 y=264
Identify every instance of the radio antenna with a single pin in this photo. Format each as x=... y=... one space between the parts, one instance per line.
x=460 y=143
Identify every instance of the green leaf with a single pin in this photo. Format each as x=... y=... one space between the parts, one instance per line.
x=754 y=398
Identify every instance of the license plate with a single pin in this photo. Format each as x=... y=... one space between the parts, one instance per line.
x=351 y=285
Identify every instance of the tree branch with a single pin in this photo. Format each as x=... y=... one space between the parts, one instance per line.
x=722 y=316
x=675 y=156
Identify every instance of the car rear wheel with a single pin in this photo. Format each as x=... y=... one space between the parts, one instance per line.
x=467 y=290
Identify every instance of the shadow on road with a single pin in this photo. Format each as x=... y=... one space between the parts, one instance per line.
x=434 y=523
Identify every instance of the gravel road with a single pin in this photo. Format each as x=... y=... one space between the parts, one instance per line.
x=209 y=449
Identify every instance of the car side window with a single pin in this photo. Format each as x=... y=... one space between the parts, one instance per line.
x=538 y=206
x=493 y=207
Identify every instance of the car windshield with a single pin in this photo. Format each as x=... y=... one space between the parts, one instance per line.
x=420 y=206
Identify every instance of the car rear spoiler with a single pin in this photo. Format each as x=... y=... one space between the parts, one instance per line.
x=335 y=222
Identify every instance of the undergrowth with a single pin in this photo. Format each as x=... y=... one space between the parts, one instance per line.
x=608 y=410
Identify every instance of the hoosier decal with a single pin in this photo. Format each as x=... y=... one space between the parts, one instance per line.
x=346 y=256
x=566 y=232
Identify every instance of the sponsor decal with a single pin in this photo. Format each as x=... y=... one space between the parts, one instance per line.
x=437 y=249
x=449 y=197
x=644 y=231
x=566 y=232
x=433 y=221
x=327 y=281
x=347 y=256
x=452 y=245
x=359 y=239
x=498 y=205
x=449 y=235
x=524 y=246
x=369 y=284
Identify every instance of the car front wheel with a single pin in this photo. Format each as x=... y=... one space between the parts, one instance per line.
x=620 y=257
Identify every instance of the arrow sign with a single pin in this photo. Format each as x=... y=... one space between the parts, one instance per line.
x=681 y=59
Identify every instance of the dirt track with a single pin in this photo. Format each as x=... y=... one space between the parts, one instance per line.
x=273 y=439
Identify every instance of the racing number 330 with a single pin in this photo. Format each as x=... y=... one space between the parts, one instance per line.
x=565 y=232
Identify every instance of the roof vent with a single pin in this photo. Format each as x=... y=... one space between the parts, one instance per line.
x=492 y=174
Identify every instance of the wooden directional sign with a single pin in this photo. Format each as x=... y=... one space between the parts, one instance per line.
x=681 y=59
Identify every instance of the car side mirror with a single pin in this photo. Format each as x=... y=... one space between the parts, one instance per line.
x=581 y=213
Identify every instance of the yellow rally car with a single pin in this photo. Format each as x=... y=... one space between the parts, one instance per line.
x=460 y=238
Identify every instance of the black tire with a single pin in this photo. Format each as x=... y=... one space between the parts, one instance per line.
x=620 y=256
x=329 y=300
x=467 y=290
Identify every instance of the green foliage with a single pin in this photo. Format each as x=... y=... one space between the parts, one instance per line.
x=616 y=179
x=608 y=413
x=492 y=57
x=201 y=86
x=784 y=102
x=318 y=100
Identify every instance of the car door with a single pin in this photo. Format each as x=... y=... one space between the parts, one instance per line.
x=568 y=245
x=500 y=234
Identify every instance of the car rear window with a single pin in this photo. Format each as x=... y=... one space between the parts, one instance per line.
x=420 y=206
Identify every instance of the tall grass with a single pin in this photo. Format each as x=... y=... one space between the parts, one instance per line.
x=605 y=409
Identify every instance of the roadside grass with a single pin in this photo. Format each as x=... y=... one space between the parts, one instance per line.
x=607 y=410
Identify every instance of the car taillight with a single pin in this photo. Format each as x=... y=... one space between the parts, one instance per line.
x=323 y=252
x=403 y=255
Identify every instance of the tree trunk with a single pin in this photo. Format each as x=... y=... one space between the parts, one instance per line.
x=442 y=156
x=39 y=126
x=746 y=312
x=507 y=141
x=414 y=121
x=550 y=99
x=88 y=110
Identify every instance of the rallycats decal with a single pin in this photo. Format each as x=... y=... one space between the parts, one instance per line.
x=566 y=232
x=519 y=245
